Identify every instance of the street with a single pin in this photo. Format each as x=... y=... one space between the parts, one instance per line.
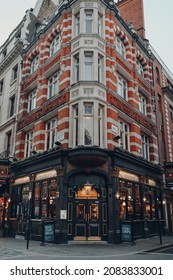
x=145 y=249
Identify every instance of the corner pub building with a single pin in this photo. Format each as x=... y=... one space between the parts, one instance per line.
x=86 y=138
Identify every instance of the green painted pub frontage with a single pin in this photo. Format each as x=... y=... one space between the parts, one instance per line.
x=87 y=192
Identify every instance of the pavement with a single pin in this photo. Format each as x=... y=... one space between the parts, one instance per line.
x=149 y=248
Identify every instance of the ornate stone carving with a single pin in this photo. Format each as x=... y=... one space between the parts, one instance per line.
x=75 y=45
x=88 y=91
x=101 y=45
x=101 y=93
x=88 y=42
x=75 y=93
x=88 y=5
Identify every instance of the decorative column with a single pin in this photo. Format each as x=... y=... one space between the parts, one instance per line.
x=113 y=204
x=143 y=200
x=61 y=207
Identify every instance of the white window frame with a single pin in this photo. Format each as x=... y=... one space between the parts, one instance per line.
x=88 y=108
x=14 y=73
x=88 y=66
x=34 y=64
x=122 y=87
x=124 y=141
x=140 y=68
x=100 y=68
x=31 y=101
x=142 y=104
x=53 y=85
x=99 y=24
x=145 y=146
x=50 y=134
x=76 y=67
x=29 y=136
x=55 y=45
x=121 y=49
x=88 y=21
x=77 y=23
x=88 y=123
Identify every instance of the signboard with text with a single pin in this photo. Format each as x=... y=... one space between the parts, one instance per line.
x=126 y=232
x=49 y=232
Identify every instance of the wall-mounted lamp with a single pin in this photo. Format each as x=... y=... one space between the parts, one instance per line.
x=154 y=109
x=111 y=3
x=163 y=201
x=13 y=159
x=117 y=137
x=58 y=144
x=87 y=188
x=117 y=195
x=33 y=152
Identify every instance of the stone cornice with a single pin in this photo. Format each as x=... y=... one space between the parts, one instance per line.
x=16 y=50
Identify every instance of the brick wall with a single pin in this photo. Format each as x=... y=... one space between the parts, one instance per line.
x=132 y=11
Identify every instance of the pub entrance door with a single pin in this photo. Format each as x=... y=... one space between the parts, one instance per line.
x=87 y=213
x=87 y=220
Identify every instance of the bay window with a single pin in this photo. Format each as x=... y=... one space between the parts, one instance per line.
x=77 y=23
x=88 y=67
x=90 y=130
x=99 y=22
x=76 y=68
x=88 y=21
x=100 y=68
x=88 y=124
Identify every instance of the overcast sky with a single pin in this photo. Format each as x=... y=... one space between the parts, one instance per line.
x=158 y=23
